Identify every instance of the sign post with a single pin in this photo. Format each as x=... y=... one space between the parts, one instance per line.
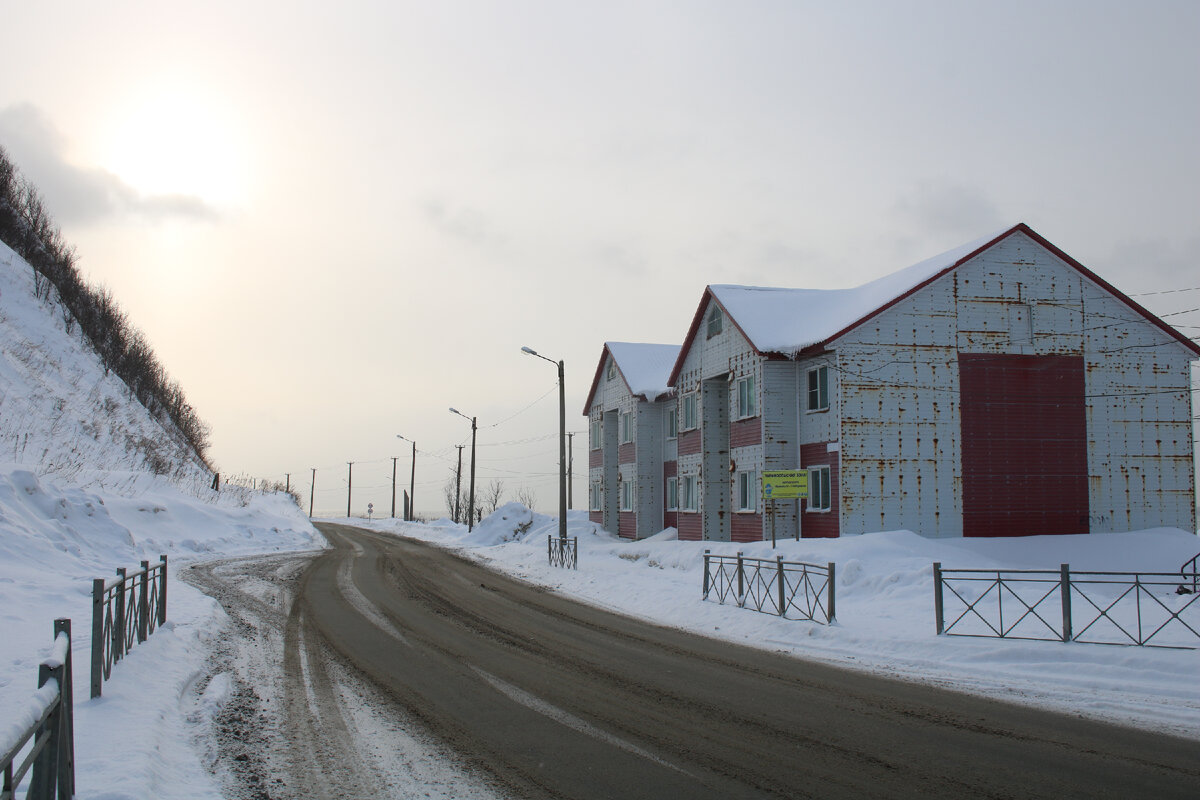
x=783 y=484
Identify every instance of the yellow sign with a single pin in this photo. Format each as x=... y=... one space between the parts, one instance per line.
x=784 y=484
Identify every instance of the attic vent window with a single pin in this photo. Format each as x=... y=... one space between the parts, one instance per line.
x=714 y=321
x=612 y=370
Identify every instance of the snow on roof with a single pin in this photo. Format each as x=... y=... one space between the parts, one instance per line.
x=645 y=367
x=788 y=320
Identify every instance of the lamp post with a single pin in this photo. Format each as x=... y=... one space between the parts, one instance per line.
x=412 y=481
x=562 y=443
x=471 y=490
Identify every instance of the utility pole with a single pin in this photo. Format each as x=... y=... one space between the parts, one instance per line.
x=288 y=486
x=312 y=492
x=393 y=487
x=570 y=470
x=349 y=485
x=412 y=486
x=471 y=499
x=458 y=482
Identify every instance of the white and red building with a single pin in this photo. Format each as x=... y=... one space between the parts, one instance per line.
x=631 y=439
x=1000 y=388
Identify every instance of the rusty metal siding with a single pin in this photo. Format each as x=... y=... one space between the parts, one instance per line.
x=899 y=403
x=650 y=489
x=715 y=492
x=780 y=409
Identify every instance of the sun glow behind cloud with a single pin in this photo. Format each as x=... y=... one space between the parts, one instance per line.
x=178 y=140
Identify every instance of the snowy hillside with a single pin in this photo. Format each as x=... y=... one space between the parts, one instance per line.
x=90 y=482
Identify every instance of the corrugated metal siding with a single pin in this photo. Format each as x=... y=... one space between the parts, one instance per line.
x=1024 y=444
x=627 y=453
x=689 y=442
x=781 y=445
x=748 y=528
x=628 y=529
x=650 y=500
x=691 y=526
x=714 y=471
x=595 y=458
x=744 y=432
x=596 y=517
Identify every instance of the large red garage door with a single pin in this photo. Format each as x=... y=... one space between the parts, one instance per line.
x=1024 y=445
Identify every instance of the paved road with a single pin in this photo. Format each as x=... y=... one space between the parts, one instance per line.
x=557 y=699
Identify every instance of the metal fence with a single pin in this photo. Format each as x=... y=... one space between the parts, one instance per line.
x=125 y=610
x=788 y=588
x=48 y=742
x=563 y=552
x=1149 y=609
x=1189 y=574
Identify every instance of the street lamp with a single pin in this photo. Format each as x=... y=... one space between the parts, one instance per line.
x=471 y=496
x=562 y=443
x=412 y=481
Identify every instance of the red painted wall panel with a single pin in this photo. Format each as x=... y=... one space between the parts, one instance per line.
x=628 y=525
x=1024 y=445
x=689 y=442
x=670 y=469
x=822 y=524
x=690 y=527
x=596 y=517
x=745 y=432
x=596 y=458
x=670 y=519
x=746 y=528
x=627 y=453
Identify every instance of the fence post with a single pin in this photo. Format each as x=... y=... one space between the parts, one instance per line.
x=937 y=597
x=45 y=767
x=162 y=591
x=550 y=549
x=779 y=574
x=143 y=609
x=118 y=629
x=575 y=552
x=66 y=771
x=832 y=584
x=705 y=595
x=741 y=580
x=97 y=636
x=1065 y=589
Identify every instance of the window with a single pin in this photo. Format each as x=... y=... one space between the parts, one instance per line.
x=672 y=423
x=672 y=494
x=689 y=411
x=626 y=496
x=819 y=496
x=690 y=492
x=612 y=370
x=747 y=398
x=818 y=389
x=597 y=427
x=626 y=427
x=714 y=321
x=747 y=491
x=595 y=497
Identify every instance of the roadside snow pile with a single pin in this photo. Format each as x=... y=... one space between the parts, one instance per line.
x=53 y=541
x=885 y=614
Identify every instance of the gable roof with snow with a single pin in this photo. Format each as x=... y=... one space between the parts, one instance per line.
x=644 y=368
x=788 y=321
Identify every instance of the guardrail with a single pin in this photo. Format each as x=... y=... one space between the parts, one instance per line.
x=125 y=610
x=1123 y=608
x=562 y=552
x=792 y=589
x=50 y=733
x=1184 y=572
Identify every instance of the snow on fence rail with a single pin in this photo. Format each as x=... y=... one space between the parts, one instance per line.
x=1150 y=609
x=562 y=552
x=795 y=588
x=125 y=610
x=46 y=733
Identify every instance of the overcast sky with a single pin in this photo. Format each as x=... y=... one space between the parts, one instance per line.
x=336 y=220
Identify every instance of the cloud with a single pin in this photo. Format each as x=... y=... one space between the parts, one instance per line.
x=463 y=224
x=953 y=209
x=82 y=195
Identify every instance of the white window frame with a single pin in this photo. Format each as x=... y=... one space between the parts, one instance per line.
x=747 y=398
x=672 y=423
x=691 y=493
x=746 y=485
x=817 y=398
x=626 y=427
x=596 y=496
x=597 y=433
x=820 y=489
x=627 y=495
x=673 y=493
x=715 y=323
x=690 y=400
